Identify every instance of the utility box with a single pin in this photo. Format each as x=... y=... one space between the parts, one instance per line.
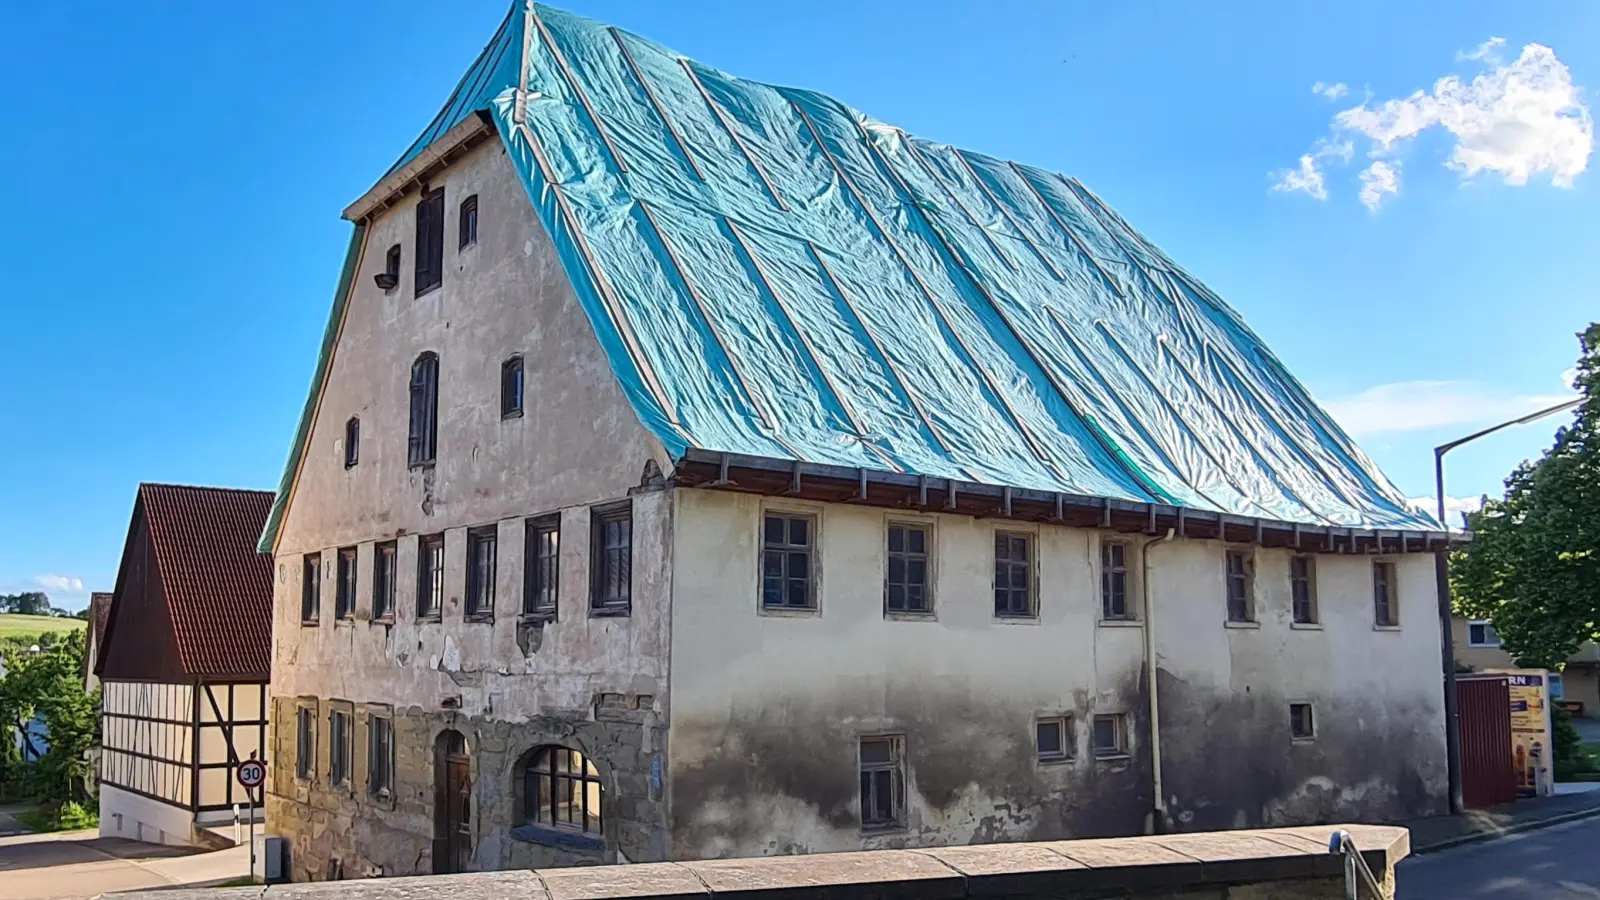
x=275 y=860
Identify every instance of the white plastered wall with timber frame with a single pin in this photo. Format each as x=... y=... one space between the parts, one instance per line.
x=768 y=708
x=505 y=681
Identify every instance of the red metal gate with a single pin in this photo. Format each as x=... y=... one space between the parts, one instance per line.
x=1487 y=775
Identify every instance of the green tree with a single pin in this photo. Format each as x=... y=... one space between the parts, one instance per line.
x=27 y=603
x=1533 y=564
x=49 y=684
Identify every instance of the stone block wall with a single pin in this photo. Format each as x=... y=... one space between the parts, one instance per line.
x=346 y=831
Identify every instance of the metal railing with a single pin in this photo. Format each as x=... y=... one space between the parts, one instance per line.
x=1356 y=872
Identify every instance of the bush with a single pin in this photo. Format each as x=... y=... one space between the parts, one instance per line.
x=1570 y=759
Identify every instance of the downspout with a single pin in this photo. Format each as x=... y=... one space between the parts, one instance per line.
x=1158 y=823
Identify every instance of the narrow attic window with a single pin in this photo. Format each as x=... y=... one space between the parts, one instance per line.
x=511 y=388
x=467 y=223
x=389 y=278
x=352 y=442
x=430 y=241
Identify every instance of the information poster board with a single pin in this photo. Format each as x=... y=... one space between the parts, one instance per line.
x=1531 y=745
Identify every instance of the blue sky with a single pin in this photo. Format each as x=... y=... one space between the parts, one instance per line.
x=178 y=170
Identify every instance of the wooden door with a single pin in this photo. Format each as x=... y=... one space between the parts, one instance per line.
x=453 y=811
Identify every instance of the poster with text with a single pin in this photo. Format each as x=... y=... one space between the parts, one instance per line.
x=1531 y=746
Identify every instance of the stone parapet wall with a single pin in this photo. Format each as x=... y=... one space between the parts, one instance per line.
x=1280 y=864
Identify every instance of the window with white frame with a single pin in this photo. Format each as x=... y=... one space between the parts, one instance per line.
x=1481 y=633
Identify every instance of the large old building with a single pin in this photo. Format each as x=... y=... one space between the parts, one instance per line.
x=183 y=664
x=699 y=468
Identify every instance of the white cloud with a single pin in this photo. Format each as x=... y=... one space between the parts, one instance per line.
x=1331 y=91
x=1423 y=405
x=1308 y=177
x=1377 y=180
x=64 y=583
x=1517 y=119
x=1569 y=378
x=1454 y=507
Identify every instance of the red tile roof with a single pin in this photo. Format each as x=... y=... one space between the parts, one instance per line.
x=218 y=588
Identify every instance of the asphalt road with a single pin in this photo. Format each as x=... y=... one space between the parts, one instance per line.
x=1556 y=863
x=73 y=864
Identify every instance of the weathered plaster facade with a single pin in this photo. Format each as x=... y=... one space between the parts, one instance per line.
x=722 y=729
x=597 y=685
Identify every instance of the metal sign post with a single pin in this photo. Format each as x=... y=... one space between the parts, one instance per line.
x=252 y=774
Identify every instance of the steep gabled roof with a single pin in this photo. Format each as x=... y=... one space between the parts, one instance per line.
x=217 y=589
x=774 y=274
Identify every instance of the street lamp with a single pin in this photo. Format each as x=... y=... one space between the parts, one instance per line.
x=1441 y=571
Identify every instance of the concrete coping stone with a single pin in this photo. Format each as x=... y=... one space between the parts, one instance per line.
x=1055 y=868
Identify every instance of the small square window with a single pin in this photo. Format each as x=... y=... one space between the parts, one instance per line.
x=1013 y=575
x=1302 y=727
x=1241 y=586
x=1481 y=633
x=1110 y=735
x=787 y=576
x=906 y=577
x=1303 y=588
x=1386 y=605
x=311 y=589
x=511 y=388
x=882 y=783
x=1114 y=581
x=1052 y=739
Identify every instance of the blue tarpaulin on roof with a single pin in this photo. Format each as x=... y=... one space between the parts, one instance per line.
x=772 y=273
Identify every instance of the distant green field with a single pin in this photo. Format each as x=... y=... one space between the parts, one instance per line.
x=11 y=625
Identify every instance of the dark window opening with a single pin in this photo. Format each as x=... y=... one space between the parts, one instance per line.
x=338 y=747
x=1482 y=634
x=511 y=388
x=1114 y=581
x=383 y=581
x=430 y=241
x=1386 y=610
x=430 y=576
x=423 y=436
x=1301 y=725
x=1241 y=602
x=1110 y=735
x=907 y=575
x=467 y=224
x=1053 y=738
x=882 y=783
x=481 y=565
x=311 y=589
x=380 y=755
x=542 y=571
x=305 y=742
x=344 y=594
x=352 y=441
x=786 y=579
x=389 y=278
x=611 y=555
x=1303 y=589
x=1013 y=574
x=561 y=789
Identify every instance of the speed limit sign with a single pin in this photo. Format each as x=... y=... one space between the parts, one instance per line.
x=252 y=772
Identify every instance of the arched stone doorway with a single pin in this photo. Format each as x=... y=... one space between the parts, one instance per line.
x=452 y=808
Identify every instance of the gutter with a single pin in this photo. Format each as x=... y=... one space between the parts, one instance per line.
x=1158 y=822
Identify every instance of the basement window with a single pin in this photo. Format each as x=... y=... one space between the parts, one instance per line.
x=1110 y=736
x=1052 y=739
x=1302 y=727
x=882 y=783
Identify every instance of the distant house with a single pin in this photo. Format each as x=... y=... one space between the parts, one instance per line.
x=1576 y=686
x=184 y=661
x=99 y=612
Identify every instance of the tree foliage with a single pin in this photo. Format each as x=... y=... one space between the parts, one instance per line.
x=48 y=684
x=27 y=603
x=1533 y=565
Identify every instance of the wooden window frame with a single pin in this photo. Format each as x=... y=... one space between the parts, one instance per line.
x=467 y=223
x=541 y=576
x=384 y=580
x=894 y=767
x=908 y=559
x=1110 y=573
x=1030 y=542
x=1240 y=610
x=422 y=430
x=513 y=387
x=382 y=787
x=600 y=517
x=311 y=589
x=480 y=599
x=1303 y=589
x=428 y=257
x=341 y=745
x=1385 y=594
x=305 y=740
x=345 y=582
x=783 y=552
x=430 y=577
x=544 y=782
